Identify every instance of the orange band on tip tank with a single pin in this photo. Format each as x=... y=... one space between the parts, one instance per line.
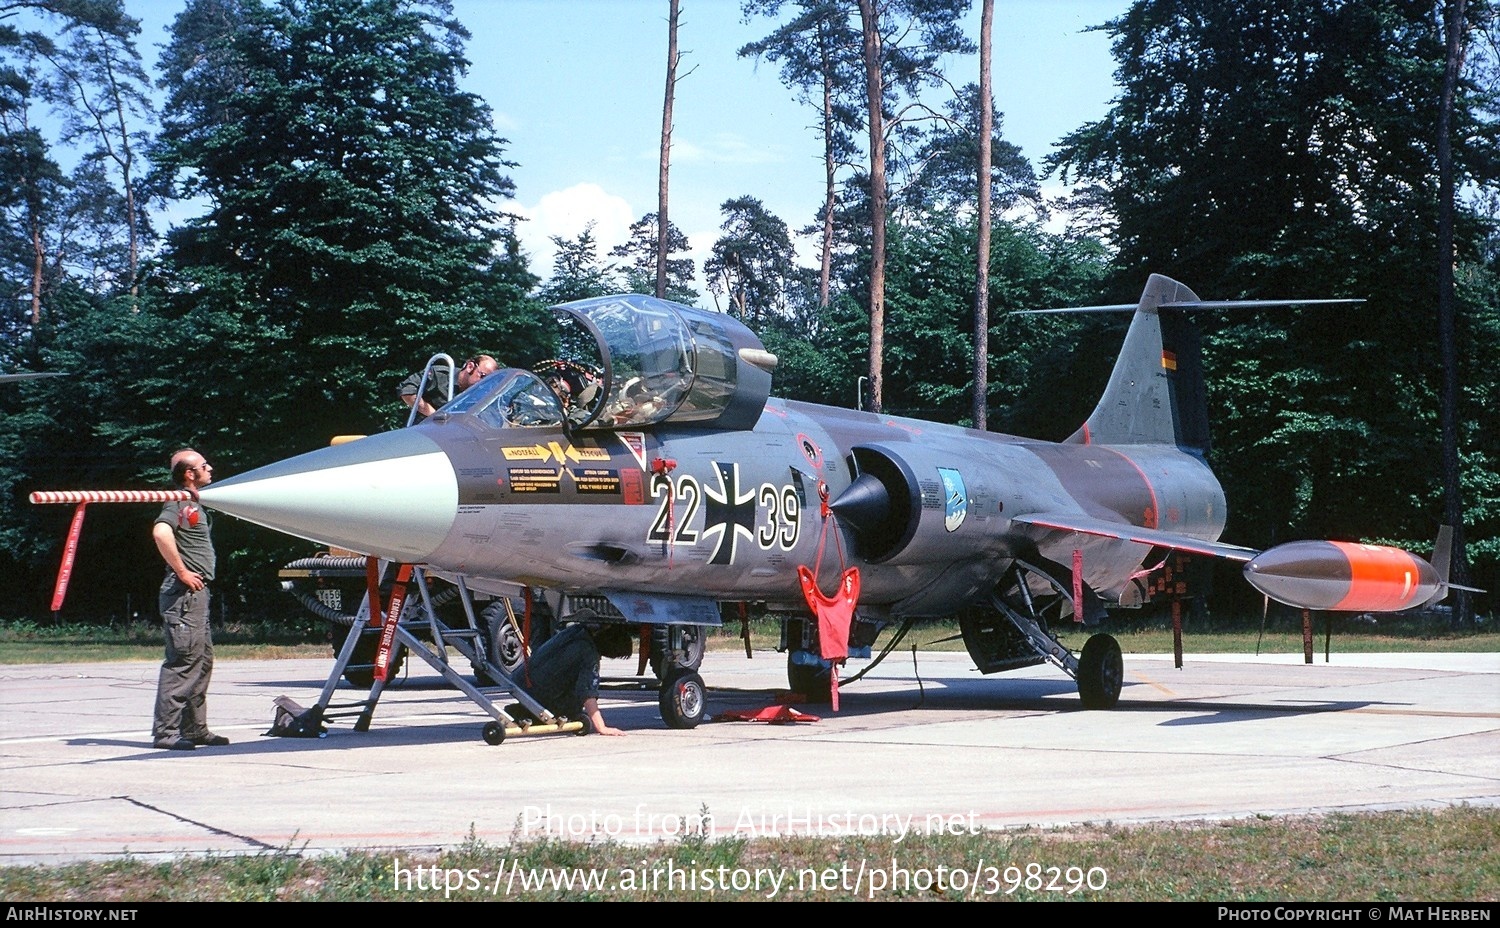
x=1382 y=579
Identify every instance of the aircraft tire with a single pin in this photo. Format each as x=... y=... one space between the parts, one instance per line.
x=364 y=653
x=811 y=680
x=1101 y=672
x=665 y=658
x=683 y=700
x=502 y=644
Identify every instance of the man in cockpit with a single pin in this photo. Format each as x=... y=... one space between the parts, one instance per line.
x=562 y=388
x=469 y=373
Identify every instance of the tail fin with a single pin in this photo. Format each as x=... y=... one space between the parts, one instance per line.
x=1442 y=552
x=1156 y=393
x=1442 y=562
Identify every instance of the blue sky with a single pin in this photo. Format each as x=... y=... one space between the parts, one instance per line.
x=576 y=86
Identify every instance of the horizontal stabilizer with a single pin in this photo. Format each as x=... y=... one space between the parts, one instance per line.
x=9 y=378
x=1069 y=522
x=1191 y=304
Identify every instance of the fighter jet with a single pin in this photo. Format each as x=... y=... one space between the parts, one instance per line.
x=650 y=478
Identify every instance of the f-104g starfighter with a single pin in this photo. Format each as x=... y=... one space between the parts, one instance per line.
x=650 y=478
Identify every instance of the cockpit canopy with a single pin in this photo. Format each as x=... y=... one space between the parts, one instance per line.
x=631 y=361
x=507 y=399
x=657 y=361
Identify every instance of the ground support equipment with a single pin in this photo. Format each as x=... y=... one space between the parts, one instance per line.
x=431 y=648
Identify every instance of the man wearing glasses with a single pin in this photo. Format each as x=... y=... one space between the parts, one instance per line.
x=469 y=373
x=182 y=535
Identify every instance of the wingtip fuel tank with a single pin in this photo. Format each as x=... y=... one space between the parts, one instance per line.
x=1344 y=577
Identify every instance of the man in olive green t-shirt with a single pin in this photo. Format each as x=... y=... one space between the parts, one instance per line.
x=182 y=533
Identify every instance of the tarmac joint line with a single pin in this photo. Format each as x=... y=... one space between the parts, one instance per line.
x=204 y=825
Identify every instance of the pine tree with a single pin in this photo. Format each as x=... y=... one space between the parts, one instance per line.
x=353 y=227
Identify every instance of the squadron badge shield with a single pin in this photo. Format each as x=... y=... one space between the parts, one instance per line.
x=955 y=498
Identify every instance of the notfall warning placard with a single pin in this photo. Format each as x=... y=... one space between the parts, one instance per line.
x=535 y=479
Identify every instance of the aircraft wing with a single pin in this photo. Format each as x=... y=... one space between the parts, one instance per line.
x=1072 y=522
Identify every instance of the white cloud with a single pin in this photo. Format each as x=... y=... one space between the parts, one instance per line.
x=504 y=122
x=723 y=148
x=566 y=213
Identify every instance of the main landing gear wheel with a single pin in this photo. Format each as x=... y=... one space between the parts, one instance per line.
x=1101 y=672
x=682 y=700
x=502 y=643
x=809 y=679
x=494 y=733
x=676 y=646
x=363 y=677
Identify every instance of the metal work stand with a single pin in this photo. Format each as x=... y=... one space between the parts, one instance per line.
x=433 y=650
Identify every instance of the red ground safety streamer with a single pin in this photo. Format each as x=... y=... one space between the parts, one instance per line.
x=1077 y=584
x=70 y=551
x=82 y=498
x=663 y=467
x=372 y=591
x=648 y=644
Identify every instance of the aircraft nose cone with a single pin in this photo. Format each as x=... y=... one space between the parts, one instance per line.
x=393 y=495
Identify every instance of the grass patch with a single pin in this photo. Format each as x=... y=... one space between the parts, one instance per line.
x=1389 y=856
x=27 y=642
x=1227 y=637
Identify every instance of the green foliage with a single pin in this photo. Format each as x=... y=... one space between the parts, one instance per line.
x=1276 y=130
x=577 y=271
x=754 y=263
x=1401 y=855
x=102 y=90
x=1287 y=150
x=89 y=225
x=640 y=273
x=822 y=362
x=1035 y=361
x=350 y=232
x=351 y=185
x=947 y=163
x=819 y=45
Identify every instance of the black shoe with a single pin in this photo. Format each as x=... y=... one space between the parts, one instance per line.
x=520 y=713
x=174 y=744
x=210 y=740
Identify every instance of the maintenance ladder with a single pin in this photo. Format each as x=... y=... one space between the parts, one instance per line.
x=434 y=651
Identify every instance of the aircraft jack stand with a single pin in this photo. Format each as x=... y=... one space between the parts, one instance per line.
x=294 y=721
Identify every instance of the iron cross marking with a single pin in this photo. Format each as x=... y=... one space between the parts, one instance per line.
x=728 y=513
